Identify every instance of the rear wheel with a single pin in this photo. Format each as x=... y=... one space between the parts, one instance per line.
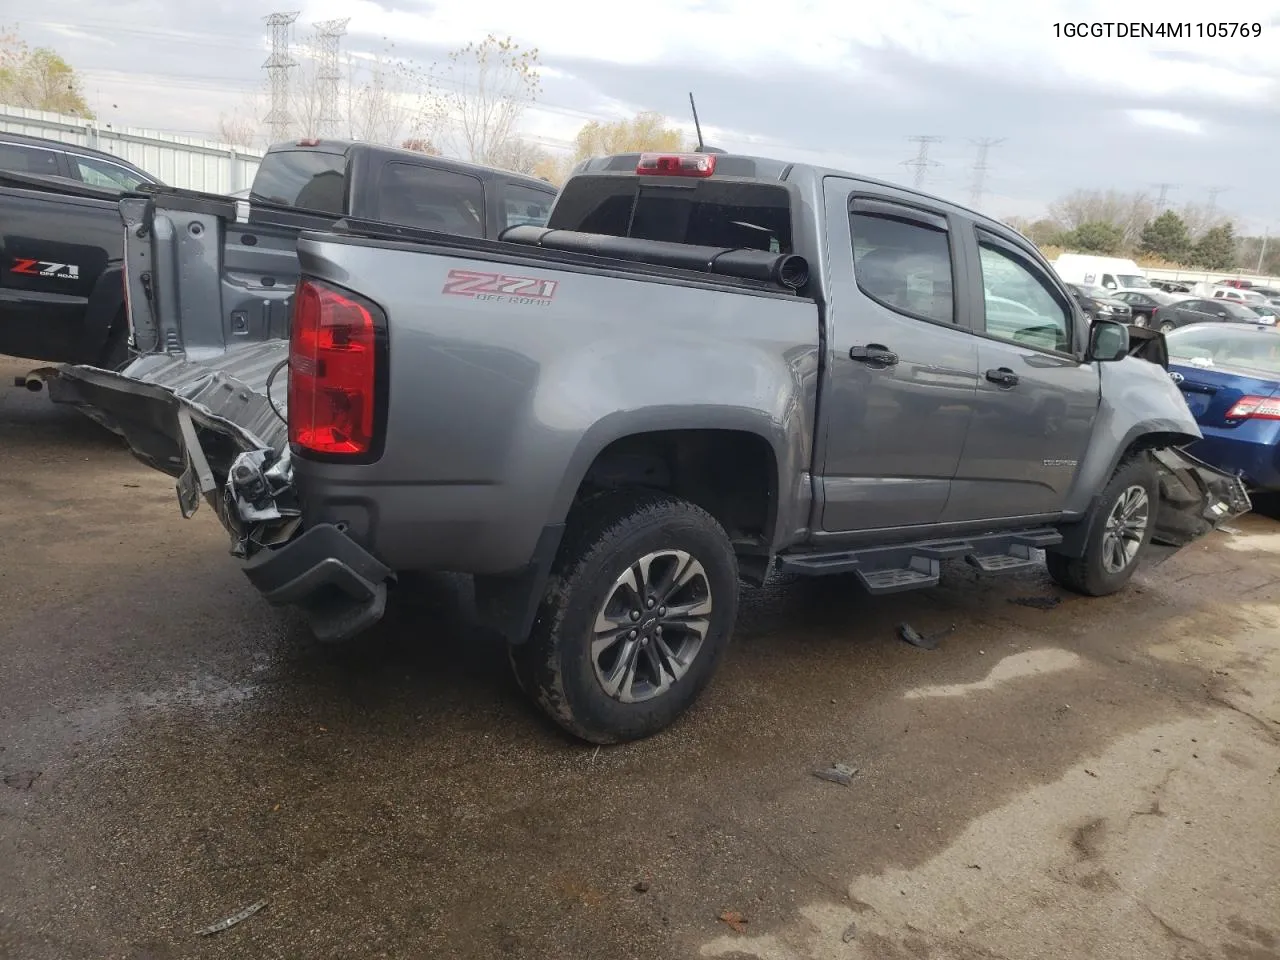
x=1166 y=327
x=1139 y=319
x=639 y=609
x=1119 y=531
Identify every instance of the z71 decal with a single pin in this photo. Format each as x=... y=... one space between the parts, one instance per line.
x=500 y=287
x=43 y=268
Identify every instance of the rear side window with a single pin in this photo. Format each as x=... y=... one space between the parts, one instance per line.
x=29 y=160
x=524 y=206
x=904 y=264
x=710 y=213
x=307 y=179
x=416 y=195
x=104 y=173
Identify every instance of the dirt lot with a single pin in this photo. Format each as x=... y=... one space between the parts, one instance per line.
x=1098 y=779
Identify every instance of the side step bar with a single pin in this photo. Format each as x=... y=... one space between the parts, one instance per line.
x=909 y=566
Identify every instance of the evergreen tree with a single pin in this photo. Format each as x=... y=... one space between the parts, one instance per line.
x=1166 y=237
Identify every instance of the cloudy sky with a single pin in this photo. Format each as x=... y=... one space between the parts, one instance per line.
x=828 y=81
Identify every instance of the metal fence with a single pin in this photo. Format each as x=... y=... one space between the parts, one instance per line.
x=185 y=162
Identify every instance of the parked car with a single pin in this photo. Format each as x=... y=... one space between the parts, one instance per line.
x=1098 y=303
x=37 y=156
x=609 y=419
x=61 y=297
x=1110 y=273
x=1230 y=376
x=1171 y=286
x=1143 y=305
x=1249 y=298
x=1199 y=310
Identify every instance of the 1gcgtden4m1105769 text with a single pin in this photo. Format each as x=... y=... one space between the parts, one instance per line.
x=1185 y=30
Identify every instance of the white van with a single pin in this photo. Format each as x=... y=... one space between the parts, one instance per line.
x=1110 y=273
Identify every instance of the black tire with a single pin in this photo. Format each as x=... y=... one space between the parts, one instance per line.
x=605 y=537
x=1141 y=319
x=1089 y=574
x=1168 y=327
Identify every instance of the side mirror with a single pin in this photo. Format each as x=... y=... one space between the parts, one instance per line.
x=1108 y=340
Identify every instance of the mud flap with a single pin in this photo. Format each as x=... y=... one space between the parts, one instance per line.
x=1195 y=499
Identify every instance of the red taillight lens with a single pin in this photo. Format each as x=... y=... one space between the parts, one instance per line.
x=333 y=366
x=1255 y=408
x=677 y=164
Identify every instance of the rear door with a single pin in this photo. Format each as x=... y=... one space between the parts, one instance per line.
x=902 y=364
x=1036 y=398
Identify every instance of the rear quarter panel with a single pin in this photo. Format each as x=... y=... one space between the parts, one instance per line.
x=498 y=404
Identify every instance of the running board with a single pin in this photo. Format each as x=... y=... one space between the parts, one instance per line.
x=913 y=565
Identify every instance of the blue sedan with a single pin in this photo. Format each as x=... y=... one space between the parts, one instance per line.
x=1230 y=376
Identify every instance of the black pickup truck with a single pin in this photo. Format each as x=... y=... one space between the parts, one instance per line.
x=62 y=297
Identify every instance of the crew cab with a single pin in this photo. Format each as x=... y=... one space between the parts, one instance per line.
x=703 y=368
x=61 y=250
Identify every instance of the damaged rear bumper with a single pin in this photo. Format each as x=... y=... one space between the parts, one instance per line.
x=214 y=430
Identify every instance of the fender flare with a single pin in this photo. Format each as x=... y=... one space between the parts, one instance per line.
x=105 y=306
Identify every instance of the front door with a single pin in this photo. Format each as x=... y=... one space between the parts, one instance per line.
x=901 y=362
x=1036 y=399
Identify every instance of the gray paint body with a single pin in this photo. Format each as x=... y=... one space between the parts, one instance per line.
x=497 y=409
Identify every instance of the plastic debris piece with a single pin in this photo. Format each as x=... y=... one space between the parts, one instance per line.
x=23 y=780
x=837 y=773
x=641 y=887
x=917 y=639
x=735 y=920
x=232 y=920
x=850 y=932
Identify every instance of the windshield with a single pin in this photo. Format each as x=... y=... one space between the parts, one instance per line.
x=1237 y=310
x=1256 y=350
x=1130 y=280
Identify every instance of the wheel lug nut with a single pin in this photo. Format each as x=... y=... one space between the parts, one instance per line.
x=649 y=604
x=662 y=611
x=635 y=614
x=632 y=634
x=658 y=631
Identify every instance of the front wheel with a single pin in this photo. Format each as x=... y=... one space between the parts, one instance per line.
x=1166 y=327
x=638 y=611
x=1139 y=319
x=1119 y=531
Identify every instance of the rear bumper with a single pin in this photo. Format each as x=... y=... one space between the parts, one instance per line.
x=217 y=434
x=340 y=586
x=1252 y=459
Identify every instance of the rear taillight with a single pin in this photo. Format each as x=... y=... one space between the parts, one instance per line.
x=677 y=164
x=334 y=348
x=1255 y=408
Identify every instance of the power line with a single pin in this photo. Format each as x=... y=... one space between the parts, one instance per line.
x=278 y=66
x=921 y=161
x=1213 y=201
x=980 y=168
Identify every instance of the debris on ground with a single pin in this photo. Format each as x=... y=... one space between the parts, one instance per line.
x=837 y=773
x=232 y=920
x=735 y=920
x=917 y=639
x=850 y=932
x=1036 y=603
x=641 y=887
x=22 y=780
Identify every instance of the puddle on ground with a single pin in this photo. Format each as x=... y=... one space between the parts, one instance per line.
x=1030 y=663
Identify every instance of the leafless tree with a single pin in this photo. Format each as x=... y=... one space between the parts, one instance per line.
x=1200 y=217
x=1128 y=212
x=484 y=90
x=520 y=156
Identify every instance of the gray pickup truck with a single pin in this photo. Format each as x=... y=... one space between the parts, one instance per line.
x=703 y=368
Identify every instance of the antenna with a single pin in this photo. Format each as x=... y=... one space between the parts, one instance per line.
x=328 y=33
x=921 y=160
x=278 y=66
x=696 y=125
x=980 y=169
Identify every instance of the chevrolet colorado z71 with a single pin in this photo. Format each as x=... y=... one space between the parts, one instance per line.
x=703 y=368
x=61 y=249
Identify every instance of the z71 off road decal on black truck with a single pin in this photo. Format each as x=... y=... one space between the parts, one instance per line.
x=45 y=268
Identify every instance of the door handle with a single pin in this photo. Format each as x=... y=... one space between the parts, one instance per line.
x=875 y=354
x=1003 y=376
